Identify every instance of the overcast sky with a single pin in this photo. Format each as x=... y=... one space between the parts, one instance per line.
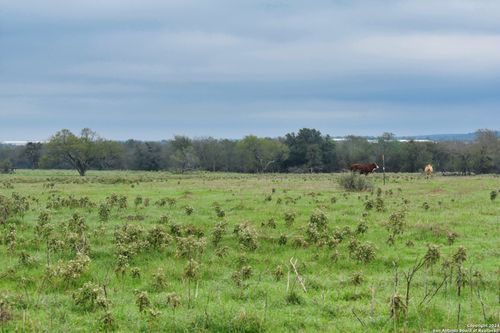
x=149 y=69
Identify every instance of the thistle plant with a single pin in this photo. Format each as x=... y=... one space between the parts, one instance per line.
x=104 y=212
x=432 y=255
x=278 y=273
x=191 y=272
x=319 y=219
x=135 y=272
x=91 y=296
x=174 y=300
x=190 y=247
x=240 y=276
x=158 y=237
x=159 y=280
x=218 y=210
x=138 y=201
x=107 y=321
x=5 y=311
x=493 y=195
x=451 y=236
x=379 y=204
x=283 y=239
x=460 y=256
x=218 y=232
x=397 y=307
x=361 y=228
x=188 y=210
x=357 y=278
x=247 y=236
x=289 y=218
x=142 y=300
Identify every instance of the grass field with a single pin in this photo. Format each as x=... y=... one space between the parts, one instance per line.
x=212 y=252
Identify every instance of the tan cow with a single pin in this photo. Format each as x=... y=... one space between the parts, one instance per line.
x=428 y=170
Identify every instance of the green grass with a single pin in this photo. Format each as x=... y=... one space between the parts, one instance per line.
x=213 y=301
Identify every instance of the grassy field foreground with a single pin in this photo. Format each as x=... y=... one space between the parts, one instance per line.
x=212 y=252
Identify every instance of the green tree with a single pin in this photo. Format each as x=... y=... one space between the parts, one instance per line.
x=355 y=149
x=485 y=151
x=209 y=152
x=184 y=156
x=310 y=150
x=259 y=154
x=32 y=152
x=5 y=166
x=80 y=152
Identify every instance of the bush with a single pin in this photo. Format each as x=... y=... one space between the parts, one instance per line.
x=5 y=166
x=354 y=182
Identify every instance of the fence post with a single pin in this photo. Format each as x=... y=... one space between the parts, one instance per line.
x=383 y=165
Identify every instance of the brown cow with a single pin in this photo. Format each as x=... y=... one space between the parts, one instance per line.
x=364 y=168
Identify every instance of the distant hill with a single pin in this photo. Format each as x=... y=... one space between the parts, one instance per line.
x=429 y=137
x=445 y=137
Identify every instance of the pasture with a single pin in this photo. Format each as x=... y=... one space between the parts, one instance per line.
x=215 y=252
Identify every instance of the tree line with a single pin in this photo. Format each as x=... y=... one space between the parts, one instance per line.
x=308 y=150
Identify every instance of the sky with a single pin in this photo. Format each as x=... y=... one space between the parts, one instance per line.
x=152 y=69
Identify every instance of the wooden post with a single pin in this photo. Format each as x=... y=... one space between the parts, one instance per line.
x=383 y=165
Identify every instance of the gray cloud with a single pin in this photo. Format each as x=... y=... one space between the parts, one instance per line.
x=151 y=69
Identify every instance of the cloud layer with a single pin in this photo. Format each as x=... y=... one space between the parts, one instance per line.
x=152 y=69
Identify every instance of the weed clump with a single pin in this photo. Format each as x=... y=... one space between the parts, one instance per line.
x=142 y=300
x=293 y=298
x=451 y=236
x=68 y=271
x=432 y=255
x=278 y=273
x=240 y=276
x=158 y=237
x=248 y=323
x=218 y=232
x=354 y=182
x=398 y=307
x=159 y=280
x=188 y=210
x=247 y=236
x=90 y=297
x=5 y=311
x=189 y=247
x=174 y=300
x=289 y=218
x=104 y=211
x=319 y=219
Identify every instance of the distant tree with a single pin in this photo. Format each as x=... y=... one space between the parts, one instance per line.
x=112 y=155
x=229 y=160
x=460 y=156
x=146 y=155
x=81 y=152
x=314 y=157
x=391 y=149
x=260 y=154
x=329 y=154
x=184 y=157
x=5 y=166
x=485 y=151
x=209 y=152
x=33 y=152
x=310 y=150
x=416 y=155
x=355 y=149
